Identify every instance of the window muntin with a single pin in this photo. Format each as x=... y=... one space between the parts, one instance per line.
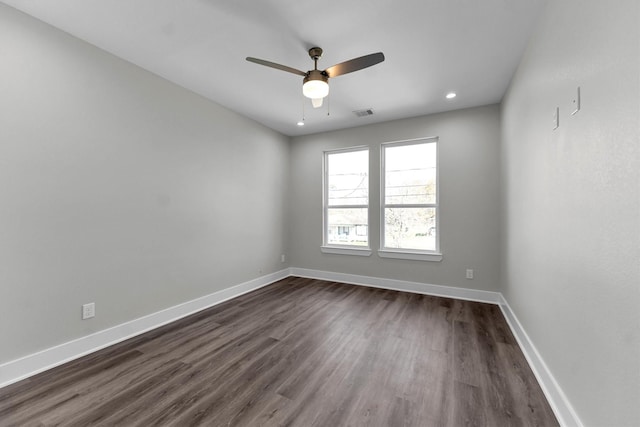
x=409 y=208
x=346 y=198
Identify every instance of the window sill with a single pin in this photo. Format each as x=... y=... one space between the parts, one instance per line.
x=346 y=251
x=416 y=256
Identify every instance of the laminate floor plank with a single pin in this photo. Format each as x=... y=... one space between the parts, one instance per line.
x=532 y=406
x=430 y=387
x=41 y=393
x=500 y=402
x=469 y=407
x=299 y=352
x=500 y=329
x=201 y=388
x=467 y=363
x=486 y=344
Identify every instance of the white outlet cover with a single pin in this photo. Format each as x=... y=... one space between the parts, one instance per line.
x=88 y=310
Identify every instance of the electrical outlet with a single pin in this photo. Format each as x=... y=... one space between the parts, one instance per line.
x=282 y=258
x=469 y=273
x=88 y=310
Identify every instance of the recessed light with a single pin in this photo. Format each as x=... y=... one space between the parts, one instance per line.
x=300 y=123
x=451 y=95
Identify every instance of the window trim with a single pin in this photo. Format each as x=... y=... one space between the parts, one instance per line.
x=400 y=253
x=346 y=250
x=338 y=248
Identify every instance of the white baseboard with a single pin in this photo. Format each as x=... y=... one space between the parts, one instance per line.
x=399 y=285
x=19 y=369
x=567 y=416
x=27 y=366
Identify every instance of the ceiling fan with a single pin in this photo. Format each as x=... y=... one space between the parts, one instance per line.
x=315 y=84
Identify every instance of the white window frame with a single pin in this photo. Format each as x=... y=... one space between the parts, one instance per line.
x=339 y=248
x=411 y=254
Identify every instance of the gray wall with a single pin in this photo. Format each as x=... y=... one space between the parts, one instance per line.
x=469 y=197
x=571 y=259
x=120 y=188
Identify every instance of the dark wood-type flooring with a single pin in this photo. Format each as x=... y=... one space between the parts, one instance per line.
x=299 y=352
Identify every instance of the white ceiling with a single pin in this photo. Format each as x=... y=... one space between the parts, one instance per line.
x=431 y=47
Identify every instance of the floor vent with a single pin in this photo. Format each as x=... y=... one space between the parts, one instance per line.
x=363 y=113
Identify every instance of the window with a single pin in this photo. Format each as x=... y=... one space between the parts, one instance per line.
x=346 y=201
x=409 y=200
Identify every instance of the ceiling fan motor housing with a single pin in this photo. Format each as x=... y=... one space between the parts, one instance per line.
x=315 y=53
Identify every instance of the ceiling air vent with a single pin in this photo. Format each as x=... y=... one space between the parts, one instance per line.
x=363 y=113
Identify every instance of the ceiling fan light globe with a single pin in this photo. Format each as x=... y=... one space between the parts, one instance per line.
x=316 y=102
x=315 y=89
x=315 y=85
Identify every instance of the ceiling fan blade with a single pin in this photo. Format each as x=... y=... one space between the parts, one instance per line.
x=355 y=64
x=276 y=66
